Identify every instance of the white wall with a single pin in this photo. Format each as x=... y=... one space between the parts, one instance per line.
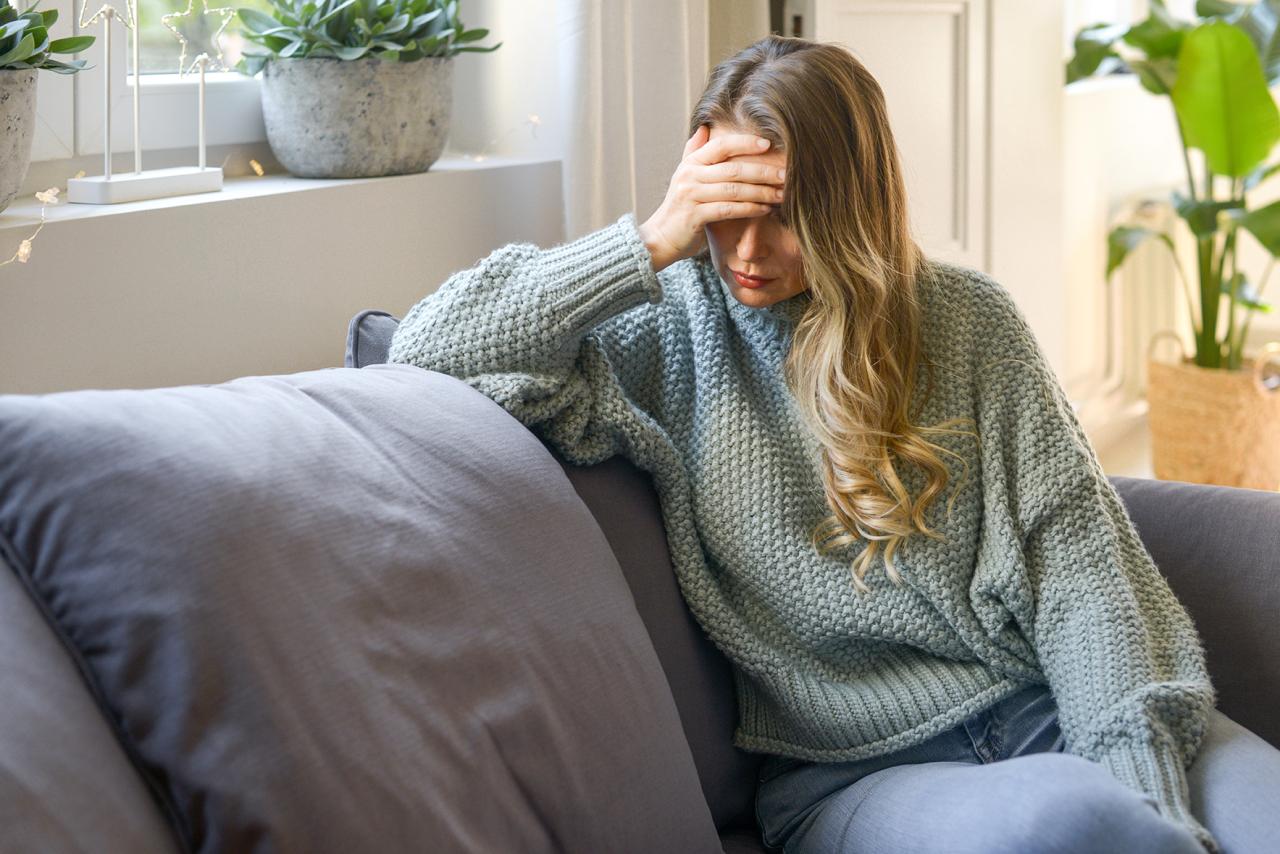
x=237 y=284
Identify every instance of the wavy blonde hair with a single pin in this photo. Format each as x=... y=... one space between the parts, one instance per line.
x=855 y=350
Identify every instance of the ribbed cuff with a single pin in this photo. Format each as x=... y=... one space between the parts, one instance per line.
x=599 y=274
x=1158 y=771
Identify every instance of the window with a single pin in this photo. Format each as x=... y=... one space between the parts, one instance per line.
x=72 y=108
x=160 y=50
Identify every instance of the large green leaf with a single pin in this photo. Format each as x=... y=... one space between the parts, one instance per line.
x=1222 y=99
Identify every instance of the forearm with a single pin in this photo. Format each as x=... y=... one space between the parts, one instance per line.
x=523 y=308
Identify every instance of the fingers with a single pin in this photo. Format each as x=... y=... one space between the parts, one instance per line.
x=717 y=211
x=742 y=170
x=729 y=145
x=694 y=142
x=737 y=192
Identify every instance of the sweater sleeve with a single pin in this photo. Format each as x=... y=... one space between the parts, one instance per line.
x=1120 y=653
x=547 y=334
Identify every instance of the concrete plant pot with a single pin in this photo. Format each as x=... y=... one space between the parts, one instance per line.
x=17 y=127
x=361 y=118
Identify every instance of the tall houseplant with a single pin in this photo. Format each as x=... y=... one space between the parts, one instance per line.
x=1216 y=71
x=25 y=48
x=356 y=88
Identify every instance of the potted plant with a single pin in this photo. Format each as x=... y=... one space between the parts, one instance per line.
x=356 y=88
x=25 y=48
x=1213 y=416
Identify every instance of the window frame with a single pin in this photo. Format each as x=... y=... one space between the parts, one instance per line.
x=71 y=108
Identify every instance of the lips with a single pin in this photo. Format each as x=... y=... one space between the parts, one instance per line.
x=749 y=281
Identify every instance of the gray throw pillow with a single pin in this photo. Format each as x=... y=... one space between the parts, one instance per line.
x=347 y=610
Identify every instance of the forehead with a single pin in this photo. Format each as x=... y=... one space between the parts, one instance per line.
x=769 y=157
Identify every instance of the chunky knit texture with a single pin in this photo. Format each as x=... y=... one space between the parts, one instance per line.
x=1042 y=578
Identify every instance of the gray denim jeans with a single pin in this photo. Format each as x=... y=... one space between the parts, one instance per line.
x=1001 y=781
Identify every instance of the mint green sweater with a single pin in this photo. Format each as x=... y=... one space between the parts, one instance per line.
x=1042 y=578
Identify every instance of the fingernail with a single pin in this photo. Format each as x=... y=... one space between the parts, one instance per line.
x=762 y=143
x=782 y=173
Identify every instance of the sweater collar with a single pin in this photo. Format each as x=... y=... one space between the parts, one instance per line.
x=775 y=321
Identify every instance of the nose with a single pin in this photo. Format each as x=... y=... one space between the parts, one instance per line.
x=751 y=242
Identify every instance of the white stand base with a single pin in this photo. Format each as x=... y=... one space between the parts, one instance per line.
x=148 y=184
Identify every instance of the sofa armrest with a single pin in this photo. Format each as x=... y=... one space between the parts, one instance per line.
x=1219 y=548
x=369 y=338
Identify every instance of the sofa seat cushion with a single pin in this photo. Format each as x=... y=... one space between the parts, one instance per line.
x=347 y=610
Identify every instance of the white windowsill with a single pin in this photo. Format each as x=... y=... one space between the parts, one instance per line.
x=24 y=212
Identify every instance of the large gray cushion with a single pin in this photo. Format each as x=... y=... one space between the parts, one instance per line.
x=623 y=501
x=348 y=610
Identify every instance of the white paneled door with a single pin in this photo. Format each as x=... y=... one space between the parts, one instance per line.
x=930 y=58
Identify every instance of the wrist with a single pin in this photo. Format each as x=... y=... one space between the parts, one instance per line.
x=659 y=255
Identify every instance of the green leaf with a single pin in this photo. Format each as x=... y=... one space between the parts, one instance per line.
x=290 y=49
x=48 y=17
x=328 y=16
x=345 y=52
x=258 y=22
x=1093 y=45
x=1262 y=173
x=479 y=49
x=1260 y=21
x=1245 y=293
x=58 y=67
x=1222 y=99
x=1202 y=217
x=1219 y=9
x=1159 y=36
x=1156 y=76
x=472 y=35
x=1264 y=224
x=13 y=28
x=251 y=64
x=1123 y=239
x=71 y=44
x=19 y=52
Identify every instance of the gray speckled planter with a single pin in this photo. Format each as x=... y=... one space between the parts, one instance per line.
x=17 y=126
x=334 y=118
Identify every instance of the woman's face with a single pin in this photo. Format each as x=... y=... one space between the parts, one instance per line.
x=759 y=245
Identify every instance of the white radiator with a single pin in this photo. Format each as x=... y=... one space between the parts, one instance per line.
x=1144 y=295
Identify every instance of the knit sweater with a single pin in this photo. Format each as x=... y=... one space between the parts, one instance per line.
x=1042 y=578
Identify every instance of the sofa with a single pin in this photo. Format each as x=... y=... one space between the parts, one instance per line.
x=362 y=608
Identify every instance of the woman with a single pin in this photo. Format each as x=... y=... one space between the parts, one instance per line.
x=1012 y=674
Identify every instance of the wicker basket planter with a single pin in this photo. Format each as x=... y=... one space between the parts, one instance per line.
x=1214 y=426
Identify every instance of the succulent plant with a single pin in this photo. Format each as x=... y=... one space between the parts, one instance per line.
x=393 y=30
x=25 y=42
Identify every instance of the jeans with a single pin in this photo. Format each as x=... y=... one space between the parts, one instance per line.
x=1001 y=781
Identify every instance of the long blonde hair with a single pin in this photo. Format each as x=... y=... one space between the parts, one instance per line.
x=854 y=352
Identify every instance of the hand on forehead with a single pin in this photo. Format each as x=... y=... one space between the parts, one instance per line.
x=771 y=156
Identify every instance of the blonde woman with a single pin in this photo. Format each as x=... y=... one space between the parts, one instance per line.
x=945 y=632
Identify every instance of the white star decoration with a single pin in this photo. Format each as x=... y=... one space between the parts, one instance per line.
x=226 y=12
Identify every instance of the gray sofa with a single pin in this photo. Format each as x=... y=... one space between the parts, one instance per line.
x=1219 y=547
x=89 y=761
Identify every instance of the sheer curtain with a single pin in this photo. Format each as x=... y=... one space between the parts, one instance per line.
x=629 y=73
